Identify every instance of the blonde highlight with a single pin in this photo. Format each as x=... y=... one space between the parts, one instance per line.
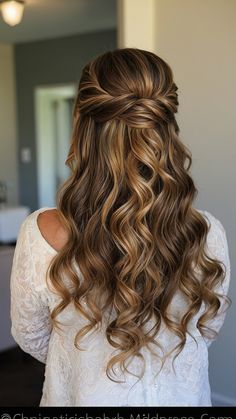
x=128 y=210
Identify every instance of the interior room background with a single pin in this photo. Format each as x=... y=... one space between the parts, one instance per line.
x=40 y=69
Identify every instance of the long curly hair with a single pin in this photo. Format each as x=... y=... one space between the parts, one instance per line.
x=127 y=207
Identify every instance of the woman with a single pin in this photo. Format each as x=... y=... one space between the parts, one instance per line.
x=121 y=288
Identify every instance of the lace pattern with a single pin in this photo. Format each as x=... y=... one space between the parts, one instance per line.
x=78 y=378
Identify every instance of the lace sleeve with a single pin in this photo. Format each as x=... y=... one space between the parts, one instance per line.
x=30 y=317
x=217 y=247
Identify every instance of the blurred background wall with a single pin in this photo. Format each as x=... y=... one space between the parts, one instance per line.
x=8 y=129
x=49 y=47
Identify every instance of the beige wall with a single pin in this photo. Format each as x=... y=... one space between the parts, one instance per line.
x=8 y=151
x=133 y=29
x=197 y=38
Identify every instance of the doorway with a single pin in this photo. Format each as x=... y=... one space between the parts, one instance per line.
x=53 y=107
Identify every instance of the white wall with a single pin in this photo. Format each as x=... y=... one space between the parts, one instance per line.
x=8 y=140
x=197 y=38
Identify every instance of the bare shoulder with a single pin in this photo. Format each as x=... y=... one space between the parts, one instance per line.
x=52 y=229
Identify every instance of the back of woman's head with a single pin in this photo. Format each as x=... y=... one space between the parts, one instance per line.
x=128 y=85
x=127 y=205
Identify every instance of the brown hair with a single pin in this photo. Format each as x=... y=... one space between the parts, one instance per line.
x=127 y=206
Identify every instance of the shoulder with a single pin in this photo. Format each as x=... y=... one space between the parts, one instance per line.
x=215 y=225
x=31 y=221
x=45 y=224
x=216 y=242
x=48 y=218
x=51 y=227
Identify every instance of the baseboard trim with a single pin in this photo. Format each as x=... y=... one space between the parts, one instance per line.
x=219 y=399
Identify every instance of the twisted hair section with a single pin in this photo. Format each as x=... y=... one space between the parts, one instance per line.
x=128 y=210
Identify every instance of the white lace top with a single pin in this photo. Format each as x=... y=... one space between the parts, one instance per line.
x=78 y=378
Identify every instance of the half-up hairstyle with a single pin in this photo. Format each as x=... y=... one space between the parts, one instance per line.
x=127 y=206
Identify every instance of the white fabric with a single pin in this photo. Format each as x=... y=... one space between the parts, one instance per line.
x=77 y=378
